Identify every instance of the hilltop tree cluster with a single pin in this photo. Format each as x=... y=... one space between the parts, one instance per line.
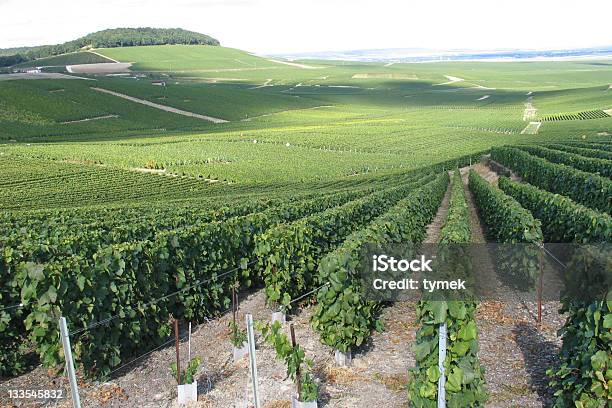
x=119 y=37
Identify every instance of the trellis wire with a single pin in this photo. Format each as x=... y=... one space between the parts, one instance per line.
x=199 y=283
x=20 y=305
x=552 y=256
x=305 y=295
x=144 y=355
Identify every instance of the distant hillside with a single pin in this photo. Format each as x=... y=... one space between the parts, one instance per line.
x=167 y=58
x=119 y=37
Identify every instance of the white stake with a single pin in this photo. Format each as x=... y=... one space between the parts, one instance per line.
x=189 y=345
x=65 y=337
x=441 y=358
x=252 y=360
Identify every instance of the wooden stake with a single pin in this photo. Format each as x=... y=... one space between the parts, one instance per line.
x=234 y=302
x=178 y=352
x=234 y=327
x=298 y=375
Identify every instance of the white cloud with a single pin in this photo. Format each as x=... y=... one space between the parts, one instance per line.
x=270 y=26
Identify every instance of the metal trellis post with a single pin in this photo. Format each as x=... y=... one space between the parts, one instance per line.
x=65 y=335
x=441 y=358
x=189 y=345
x=252 y=359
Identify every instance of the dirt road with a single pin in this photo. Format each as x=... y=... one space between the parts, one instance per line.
x=161 y=107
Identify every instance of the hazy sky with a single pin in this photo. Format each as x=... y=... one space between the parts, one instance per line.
x=288 y=26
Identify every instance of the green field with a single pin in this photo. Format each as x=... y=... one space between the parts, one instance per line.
x=185 y=58
x=338 y=118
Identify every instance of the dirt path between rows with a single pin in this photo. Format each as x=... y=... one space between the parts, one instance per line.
x=530 y=110
x=530 y=113
x=432 y=234
x=161 y=107
x=477 y=228
x=513 y=350
x=379 y=374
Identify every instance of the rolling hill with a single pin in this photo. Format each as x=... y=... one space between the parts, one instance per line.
x=170 y=58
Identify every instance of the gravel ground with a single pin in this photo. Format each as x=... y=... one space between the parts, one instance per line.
x=378 y=372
